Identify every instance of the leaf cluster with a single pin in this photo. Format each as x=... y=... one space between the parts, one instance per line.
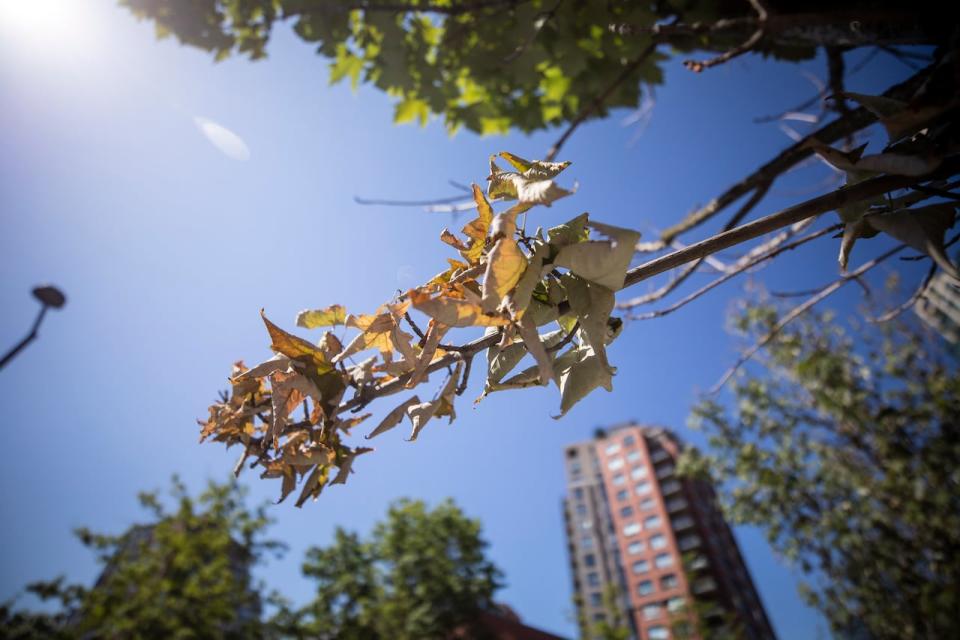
x=485 y=65
x=504 y=281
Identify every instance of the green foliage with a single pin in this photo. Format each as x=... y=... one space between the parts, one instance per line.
x=485 y=65
x=185 y=575
x=421 y=574
x=845 y=451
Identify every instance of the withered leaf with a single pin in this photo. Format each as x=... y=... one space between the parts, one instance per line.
x=505 y=265
x=528 y=331
x=347 y=463
x=435 y=332
x=604 y=262
x=278 y=362
x=453 y=312
x=922 y=228
x=393 y=418
x=295 y=348
x=329 y=317
x=583 y=375
x=314 y=484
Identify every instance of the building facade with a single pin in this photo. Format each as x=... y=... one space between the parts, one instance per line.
x=651 y=549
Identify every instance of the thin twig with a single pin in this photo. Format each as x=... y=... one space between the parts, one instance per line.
x=933 y=191
x=839 y=128
x=467 y=362
x=408 y=203
x=749 y=44
x=413 y=325
x=730 y=274
x=909 y=302
x=566 y=339
x=597 y=102
x=800 y=310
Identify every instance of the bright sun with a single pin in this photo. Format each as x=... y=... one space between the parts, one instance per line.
x=49 y=27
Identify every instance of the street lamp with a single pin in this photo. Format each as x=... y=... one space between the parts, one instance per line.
x=49 y=297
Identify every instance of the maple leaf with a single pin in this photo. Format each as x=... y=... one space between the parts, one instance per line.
x=452 y=312
x=505 y=264
x=329 y=317
x=346 y=465
x=393 y=418
x=604 y=262
x=296 y=348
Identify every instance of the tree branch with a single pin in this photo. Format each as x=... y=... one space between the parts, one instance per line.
x=734 y=272
x=749 y=231
x=840 y=128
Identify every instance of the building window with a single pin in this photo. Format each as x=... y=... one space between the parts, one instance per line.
x=658 y=633
x=642 y=488
x=651 y=611
x=586 y=542
x=590 y=560
x=675 y=604
x=596 y=599
x=633 y=456
x=586 y=524
x=658 y=542
x=676 y=504
x=581 y=510
x=644 y=588
x=635 y=547
x=651 y=522
x=665 y=471
x=647 y=503
x=641 y=566
x=698 y=563
x=629 y=441
x=631 y=529
x=619 y=478
x=689 y=542
x=599 y=617
x=578 y=493
x=670 y=487
x=616 y=463
x=622 y=494
x=613 y=449
x=638 y=472
x=668 y=581
x=659 y=455
x=663 y=560
x=575 y=468
x=682 y=522
x=626 y=512
x=704 y=584
x=593 y=579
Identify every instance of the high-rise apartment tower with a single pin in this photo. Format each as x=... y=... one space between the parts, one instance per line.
x=650 y=547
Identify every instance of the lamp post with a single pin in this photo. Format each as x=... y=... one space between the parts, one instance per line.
x=49 y=297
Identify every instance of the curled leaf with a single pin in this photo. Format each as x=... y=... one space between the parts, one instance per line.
x=453 y=312
x=505 y=265
x=393 y=418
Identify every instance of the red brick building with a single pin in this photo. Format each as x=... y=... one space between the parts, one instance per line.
x=656 y=542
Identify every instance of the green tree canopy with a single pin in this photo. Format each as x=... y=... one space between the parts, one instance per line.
x=422 y=573
x=844 y=450
x=186 y=574
x=491 y=65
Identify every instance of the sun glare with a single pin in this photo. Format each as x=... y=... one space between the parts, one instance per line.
x=51 y=28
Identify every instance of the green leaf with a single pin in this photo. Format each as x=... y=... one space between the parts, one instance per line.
x=410 y=109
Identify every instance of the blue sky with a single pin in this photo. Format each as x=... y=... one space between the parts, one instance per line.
x=167 y=249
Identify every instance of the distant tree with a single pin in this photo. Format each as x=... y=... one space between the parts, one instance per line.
x=186 y=574
x=421 y=574
x=844 y=450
